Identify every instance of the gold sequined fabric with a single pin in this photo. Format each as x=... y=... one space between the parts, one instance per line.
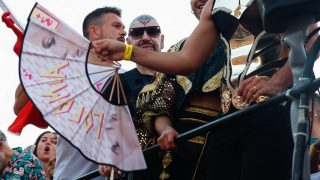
x=178 y=46
x=214 y=82
x=160 y=102
x=145 y=137
x=148 y=90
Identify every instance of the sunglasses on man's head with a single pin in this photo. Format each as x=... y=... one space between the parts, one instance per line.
x=152 y=31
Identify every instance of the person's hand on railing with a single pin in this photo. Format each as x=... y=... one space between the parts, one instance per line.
x=250 y=89
x=166 y=139
x=167 y=133
x=259 y=86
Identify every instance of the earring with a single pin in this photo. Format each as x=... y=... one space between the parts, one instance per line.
x=192 y=12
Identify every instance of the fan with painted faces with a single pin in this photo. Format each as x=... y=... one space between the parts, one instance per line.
x=65 y=88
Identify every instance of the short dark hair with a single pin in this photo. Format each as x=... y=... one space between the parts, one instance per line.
x=93 y=18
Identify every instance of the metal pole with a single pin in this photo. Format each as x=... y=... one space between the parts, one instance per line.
x=303 y=115
x=295 y=37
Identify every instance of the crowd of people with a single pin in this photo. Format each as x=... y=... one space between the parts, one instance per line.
x=170 y=93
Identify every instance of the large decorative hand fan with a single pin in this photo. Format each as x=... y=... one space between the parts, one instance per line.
x=65 y=88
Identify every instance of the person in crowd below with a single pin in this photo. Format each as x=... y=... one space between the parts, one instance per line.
x=18 y=164
x=144 y=32
x=240 y=143
x=45 y=149
x=50 y=164
x=315 y=146
x=30 y=148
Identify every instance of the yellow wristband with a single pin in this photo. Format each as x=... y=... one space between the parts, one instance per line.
x=128 y=52
x=314 y=149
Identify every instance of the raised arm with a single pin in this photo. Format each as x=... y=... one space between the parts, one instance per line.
x=198 y=46
x=20 y=99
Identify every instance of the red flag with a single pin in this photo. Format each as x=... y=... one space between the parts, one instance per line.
x=29 y=113
x=10 y=24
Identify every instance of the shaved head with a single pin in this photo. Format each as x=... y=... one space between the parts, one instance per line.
x=143 y=19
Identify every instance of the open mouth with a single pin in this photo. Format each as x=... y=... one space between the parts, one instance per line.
x=47 y=149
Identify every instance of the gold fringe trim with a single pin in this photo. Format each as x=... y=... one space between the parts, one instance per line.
x=193 y=119
x=176 y=47
x=185 y=83
x=200 y=157
x=214 y=82
x=199 y=110
x=198 y=140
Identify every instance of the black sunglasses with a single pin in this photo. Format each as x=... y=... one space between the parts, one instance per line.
x=152 y=31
